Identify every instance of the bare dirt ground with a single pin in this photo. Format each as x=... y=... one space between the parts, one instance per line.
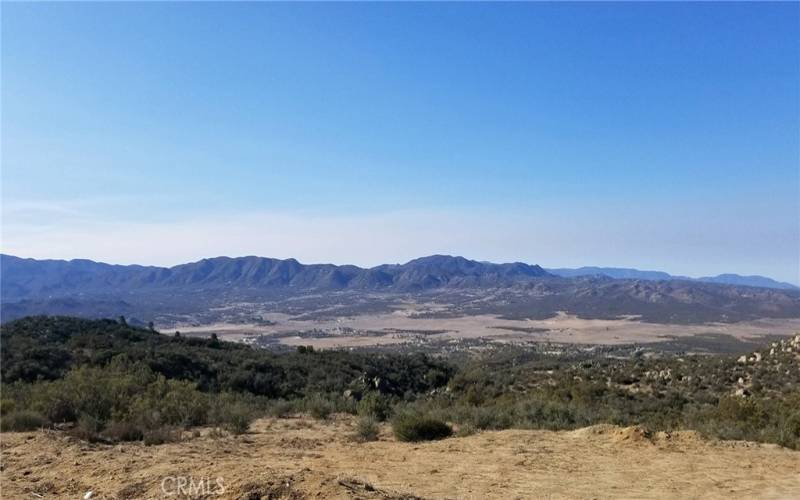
x=302 y=458
x=562 y=328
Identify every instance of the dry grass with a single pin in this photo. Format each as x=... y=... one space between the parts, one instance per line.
x=319 y=458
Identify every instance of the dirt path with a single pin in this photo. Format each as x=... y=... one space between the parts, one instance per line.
x=301 y=458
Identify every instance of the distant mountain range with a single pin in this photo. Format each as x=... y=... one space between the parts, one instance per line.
x=30 y=278
x=212 y=288
x=635 y=274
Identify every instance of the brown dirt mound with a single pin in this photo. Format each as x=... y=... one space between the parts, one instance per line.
x=639 y=434
x=615 y=434
x=634 y=434
x=302 y=458
x=593 y=430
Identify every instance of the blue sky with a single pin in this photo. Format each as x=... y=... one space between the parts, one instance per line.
x=658 y=136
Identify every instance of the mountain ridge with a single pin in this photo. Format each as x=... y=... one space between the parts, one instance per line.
x=253 y=270
x=27 y=278
x=213 y=288
x=631 y=273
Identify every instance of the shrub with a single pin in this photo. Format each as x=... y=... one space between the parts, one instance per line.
x=737 y=418
x=7 y=406
x=416 y=427
x=367 y=429
x=123 y=431
x=374 y=405
x=792 y=425
x=20 y=421
x=280 y=408
x=182 y=405
x=547 y=414
x=60 y=409
x=232 y=412
x=319 y=407
x=169 y=402
x=491 y=417
x=88 y=428
x=161 y=435
x=238 y=419
x=466 y=430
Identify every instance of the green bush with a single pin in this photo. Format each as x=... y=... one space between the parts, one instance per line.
x=122 y=401
x=233 y=412
x=7 y=406
x=169 y=402
x=792 y=425
x=492 y=417
x=88 y=428
x=319 y=407
x=374 y=405
x=790 y=431
x=367 y=429
x=281 y=408
x=238 y=419
x=21 y=421
x=59 y=408
x=417 y=427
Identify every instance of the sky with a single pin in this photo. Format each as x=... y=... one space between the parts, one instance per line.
x=658 y=136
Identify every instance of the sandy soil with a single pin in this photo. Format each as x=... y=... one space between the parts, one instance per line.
x=561 y=329
x=301 y=458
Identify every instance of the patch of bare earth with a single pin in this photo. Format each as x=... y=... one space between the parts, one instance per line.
x=301 y=458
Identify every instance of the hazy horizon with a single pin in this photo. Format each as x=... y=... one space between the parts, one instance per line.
x=651 y=136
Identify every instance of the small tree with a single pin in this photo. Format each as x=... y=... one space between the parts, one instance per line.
x=214 y=340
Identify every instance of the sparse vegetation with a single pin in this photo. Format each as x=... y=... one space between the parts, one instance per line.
x=752 y=398
x=374 y=405
x=319 y=407
x=367 y=429
x=114 y=382
x=19 y=421
x=161 y=435
x=232 y=413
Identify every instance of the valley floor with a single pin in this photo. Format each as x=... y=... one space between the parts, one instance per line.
x=300 y=458
x=400 y=328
